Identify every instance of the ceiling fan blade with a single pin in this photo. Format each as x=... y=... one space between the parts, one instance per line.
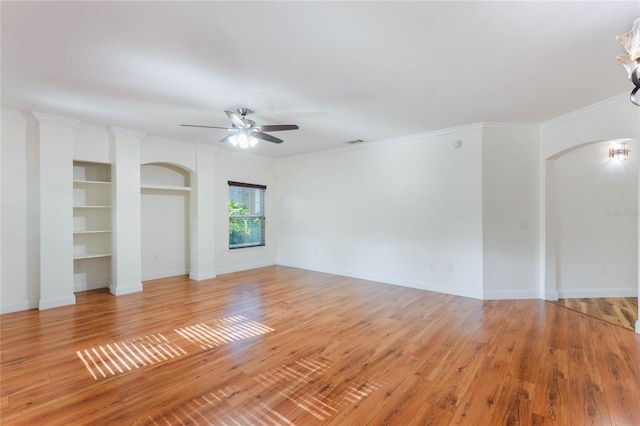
x=208 y=127
x=277 y=127
x=266 y=137
x=237 y=120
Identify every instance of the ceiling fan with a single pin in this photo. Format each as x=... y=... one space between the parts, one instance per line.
x=245 y=132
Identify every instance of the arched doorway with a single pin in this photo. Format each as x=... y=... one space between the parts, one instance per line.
x=591 y=243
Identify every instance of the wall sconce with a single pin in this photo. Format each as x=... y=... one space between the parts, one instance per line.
x=619 y=151
x=631 y=61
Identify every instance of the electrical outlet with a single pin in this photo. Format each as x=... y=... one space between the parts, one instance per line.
x=451 y=267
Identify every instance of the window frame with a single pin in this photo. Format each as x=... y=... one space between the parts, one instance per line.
x=261 y=216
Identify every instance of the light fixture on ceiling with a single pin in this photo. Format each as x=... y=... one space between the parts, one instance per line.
x=244 y=132
x=243 y=139
x=631 y=60
x=620 y=150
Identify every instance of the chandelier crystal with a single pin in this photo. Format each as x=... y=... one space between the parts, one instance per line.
x=631 y=60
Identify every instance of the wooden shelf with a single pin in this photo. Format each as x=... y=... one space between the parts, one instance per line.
x=94 y=231
x=165 y=187
x=90 y=255
x=92 y=226
x=91 y=182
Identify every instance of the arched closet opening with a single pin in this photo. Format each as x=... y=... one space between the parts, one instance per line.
x=165 y=196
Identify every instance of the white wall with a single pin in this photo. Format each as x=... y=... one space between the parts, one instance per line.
x=613 y=118
x=56 y=210
x=405 y=212
x=413 y=211
x=20 y=263
x=165 y=233
x=21 y=272
x=597 y=217
x=126 y=263
x=203 y=214
x=165 y=224
x=91 y=143
x=239 y=167
x=194 y=234
x=510 y=211
x=160 y=150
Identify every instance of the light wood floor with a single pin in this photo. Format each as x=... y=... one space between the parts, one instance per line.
x=622 y=311
x=285 y=346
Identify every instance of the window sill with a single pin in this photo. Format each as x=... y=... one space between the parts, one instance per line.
x=247 y=248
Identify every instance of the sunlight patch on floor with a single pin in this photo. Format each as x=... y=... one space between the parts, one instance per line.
x=119 y=357
x=304 y=385
x=223 y=331
x=115 y=358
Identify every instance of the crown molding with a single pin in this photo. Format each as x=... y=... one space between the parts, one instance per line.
x=13 y=114
x=516 y=126
x=54 y=119
x=622 y=98
x=385 y=142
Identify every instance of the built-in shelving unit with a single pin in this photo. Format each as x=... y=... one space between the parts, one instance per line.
x=91 y=224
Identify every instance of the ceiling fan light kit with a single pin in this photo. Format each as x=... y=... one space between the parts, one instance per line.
x=631 y=60
x=245 y=133
x=243 y=139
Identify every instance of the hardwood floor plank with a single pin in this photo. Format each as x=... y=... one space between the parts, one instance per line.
x=585 y=386
x=622 y=311
x=552 y=399
x=514 y=404
x=281 y=345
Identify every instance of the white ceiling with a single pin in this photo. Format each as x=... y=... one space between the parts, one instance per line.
x=340 y=70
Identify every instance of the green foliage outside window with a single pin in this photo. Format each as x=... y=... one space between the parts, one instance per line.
x=242 y=230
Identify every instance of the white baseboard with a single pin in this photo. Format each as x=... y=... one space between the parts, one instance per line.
x=57 y=302
x=244 y=267
x=422 y=285
x=597 y=293
x=24 y=305
x=91 y=286
x=506 y=294
x=119 y=290
x=200 y=277
x=164 y=274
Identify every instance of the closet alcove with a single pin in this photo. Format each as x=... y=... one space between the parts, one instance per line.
x=165 y=195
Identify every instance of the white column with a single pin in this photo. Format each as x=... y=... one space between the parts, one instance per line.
x=126 y=263
x=14 y=225
x=56 y=211
x=548 y=230
x=202 y=211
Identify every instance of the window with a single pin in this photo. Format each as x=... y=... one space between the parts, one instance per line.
x=246 y=215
